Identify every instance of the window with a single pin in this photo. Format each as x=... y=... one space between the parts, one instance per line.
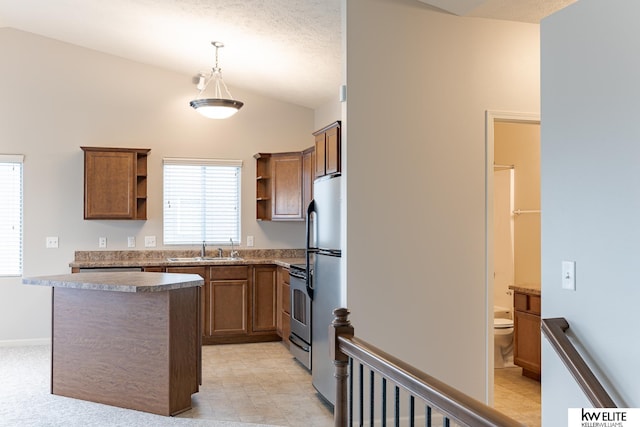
x=201 y=201
x=11 y=215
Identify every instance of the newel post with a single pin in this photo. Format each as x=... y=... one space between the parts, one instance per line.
x=341 y=326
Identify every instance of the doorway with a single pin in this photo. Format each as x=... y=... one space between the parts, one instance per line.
x=519 y=179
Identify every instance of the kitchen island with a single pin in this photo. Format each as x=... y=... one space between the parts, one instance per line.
x=127 y=339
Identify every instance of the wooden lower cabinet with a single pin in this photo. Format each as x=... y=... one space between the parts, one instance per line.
x=527 y=335
x=240 y=304
x=283 y=319
x=263 y=319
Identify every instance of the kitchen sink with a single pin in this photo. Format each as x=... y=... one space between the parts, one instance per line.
x=206 y=258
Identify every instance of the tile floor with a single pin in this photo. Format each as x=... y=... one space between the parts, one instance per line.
x=257 y=383
x=517 y=396
x=262 y=383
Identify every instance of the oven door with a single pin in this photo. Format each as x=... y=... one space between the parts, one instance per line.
x=300 y=338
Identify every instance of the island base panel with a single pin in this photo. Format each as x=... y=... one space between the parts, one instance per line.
x=132 y=350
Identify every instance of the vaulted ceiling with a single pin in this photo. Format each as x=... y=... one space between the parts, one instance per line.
x=286 y=49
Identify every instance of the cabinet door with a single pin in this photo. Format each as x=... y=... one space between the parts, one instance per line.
x=286 y=316
x=115 y=183
x=283 y=304
x=110 y=185
x=264 y=299
x=308 y=163
x=286 y=177
x=332 y=146
x=228 y=301
x=527 y=343
x=320 y=148
x=229 y=307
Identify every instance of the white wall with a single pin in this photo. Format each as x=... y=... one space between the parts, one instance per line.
x=328 y=113
x=591 y=196
x=419 y=83
x=57 y=97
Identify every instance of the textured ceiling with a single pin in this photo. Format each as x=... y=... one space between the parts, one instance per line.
x=286 y=49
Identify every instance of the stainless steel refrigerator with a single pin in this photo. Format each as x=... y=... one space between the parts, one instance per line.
x=325 y=288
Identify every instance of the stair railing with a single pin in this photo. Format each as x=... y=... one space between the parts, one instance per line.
x=554 y=330
x=442 y=403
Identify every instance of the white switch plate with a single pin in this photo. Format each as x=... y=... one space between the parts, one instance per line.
x=149 y=241
x=249 y=241
x=52 y=242
x=102 y=242
x=131 y=242
x=569 y=275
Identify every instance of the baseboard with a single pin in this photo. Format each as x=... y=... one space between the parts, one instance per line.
x=24 y=343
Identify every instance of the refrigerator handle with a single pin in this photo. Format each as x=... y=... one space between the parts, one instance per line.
x=308 y=249
x=310 y=210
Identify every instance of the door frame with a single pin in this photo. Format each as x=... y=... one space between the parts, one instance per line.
x=492 y=116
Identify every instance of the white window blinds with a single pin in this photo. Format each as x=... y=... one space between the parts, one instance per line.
x=11 y=215
x=201 y=201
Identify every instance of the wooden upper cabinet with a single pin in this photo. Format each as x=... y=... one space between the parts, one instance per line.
x=279 y=186
x=308 y=175
x=115 y=183
x=327 y=150
x=287 y=186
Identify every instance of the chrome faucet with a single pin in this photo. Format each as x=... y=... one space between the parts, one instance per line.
x=234 y=253
x=203 y=250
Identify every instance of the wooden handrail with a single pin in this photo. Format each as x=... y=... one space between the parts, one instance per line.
x=554 y=330
x=448 y=400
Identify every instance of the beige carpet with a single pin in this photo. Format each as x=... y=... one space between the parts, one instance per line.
x=25 y=399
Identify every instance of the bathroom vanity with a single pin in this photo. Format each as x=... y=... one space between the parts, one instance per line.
x=526 y=353
x=127 y=339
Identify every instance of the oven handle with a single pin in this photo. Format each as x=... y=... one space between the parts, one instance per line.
x=299 y=343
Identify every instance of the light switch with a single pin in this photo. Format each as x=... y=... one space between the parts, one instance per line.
x=149 y=241
x=569 y=275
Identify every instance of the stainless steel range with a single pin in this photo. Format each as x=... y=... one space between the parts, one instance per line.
x=300 y=337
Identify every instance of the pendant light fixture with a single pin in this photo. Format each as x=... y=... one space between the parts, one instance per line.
x=218 y=107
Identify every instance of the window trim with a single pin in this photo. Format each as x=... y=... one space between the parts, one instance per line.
x=18 y=159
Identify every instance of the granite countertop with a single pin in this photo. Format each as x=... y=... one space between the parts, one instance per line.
x=159 y=258
x=526 y=289
x=119 y=281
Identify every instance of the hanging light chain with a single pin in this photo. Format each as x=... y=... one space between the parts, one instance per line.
x=217 y=45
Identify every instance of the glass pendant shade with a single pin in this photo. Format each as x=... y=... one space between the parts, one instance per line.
x=218 y=107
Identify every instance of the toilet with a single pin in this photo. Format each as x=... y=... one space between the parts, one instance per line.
x=502 y=337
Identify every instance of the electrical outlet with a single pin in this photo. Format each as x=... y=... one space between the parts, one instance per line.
x=249 y=241
x=149 y=241
x=131 y=242
x=102 y=242
x=52 y=242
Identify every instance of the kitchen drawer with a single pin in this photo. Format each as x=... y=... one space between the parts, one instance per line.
x=527 y=303
x=232 y=272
